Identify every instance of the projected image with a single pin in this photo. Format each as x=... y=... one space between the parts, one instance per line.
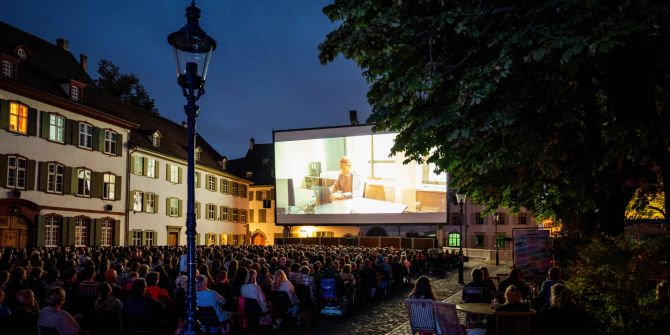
x=346 y=175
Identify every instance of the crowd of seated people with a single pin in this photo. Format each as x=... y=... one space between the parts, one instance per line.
x=140 y=290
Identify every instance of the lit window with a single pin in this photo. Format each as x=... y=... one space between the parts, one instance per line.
x=52 y=230
x=454 y=239
x=156 y=140
x=106 y=232
x=55 y=178
x=173 y=173
x=108 y=186
x=151 y=168
x=262 y=216
x=149 y=238
x=21 y=53
x=84 y=182
x=81 y=231
x=16 y=172
x=211 y=183
x=85 y=135
x=149 y=202
x=74 y=92
x=211 y=212
x=138 y=165
x=197 y=155
x=110 y=142
x=137 y=201
x=18 y=118
x=56 y=128
x=7 y=69
x=137 y=238
x=174 y=206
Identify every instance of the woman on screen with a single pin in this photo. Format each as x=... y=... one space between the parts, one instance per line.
x=348 y=183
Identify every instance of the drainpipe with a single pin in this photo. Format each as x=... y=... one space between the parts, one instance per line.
x=127 y=210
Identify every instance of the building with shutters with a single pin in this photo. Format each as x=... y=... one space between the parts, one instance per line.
x=62 y=151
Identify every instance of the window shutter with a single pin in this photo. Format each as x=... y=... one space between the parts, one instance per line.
x=73 y=180
x=68 y=132
x=167 y=206
x=4 y=114
x=198 y=211
x=41 y=220
x=197 y=239
x=117 y=232
x=145 y=162
x=117 y=188
x=144 y=238
x=156 y=202
x=44 y=125
x=96 y=185
x=32 y=122
x=251 y=216
x=70 y=231
x=74 y=133
x=31 y=165
x=512 y=219
x=98 y=139
x=119 y=144
x=251 y=195
x=179 y=174
x=3 y=170
x=43 y=176
x=67 y=177
x=272 y=194
x=179 y=206
x=197 y=179
x=95 y=239
x=156 y=170
x=167 y=171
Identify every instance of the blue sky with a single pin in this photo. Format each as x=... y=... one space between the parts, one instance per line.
x=264 y=75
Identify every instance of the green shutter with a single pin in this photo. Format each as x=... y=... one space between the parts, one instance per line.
x=167 y=171
x=179 y=169
x=145 y=163
x=156 y=170
x=144 y=240
x=31 y=165
x=156 y=203
x=74 y=133
x=197 y=239
x=129 y=238
x=44 y=124
x=119 y=144
x=96 y=232
x=3 y=170
x=98 y=139
x=167 y=206
x=117 y=188
x=68 y=131
x=70 y=231
x=67 y=180
x=32 y=122
x=96 y=185
x=132 y=164
x=43 y=176
x=73 y=181
x=179 y=203
x=4 y=114
x=197 y=210
x=117 y=232
x=41 y=220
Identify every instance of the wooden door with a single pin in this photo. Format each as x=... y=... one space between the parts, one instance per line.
x=173 y=238
x=10 y=238
x=258 y=239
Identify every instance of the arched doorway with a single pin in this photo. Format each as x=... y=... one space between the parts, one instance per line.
x=377 y=231
x=17 y=229
x=258 y=238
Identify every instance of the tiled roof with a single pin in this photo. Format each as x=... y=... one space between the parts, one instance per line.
x=259 y=160
x=48 y=66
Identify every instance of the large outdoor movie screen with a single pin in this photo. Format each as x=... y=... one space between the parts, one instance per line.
x=346 y=175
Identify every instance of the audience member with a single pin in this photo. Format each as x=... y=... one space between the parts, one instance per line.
x=52 y=316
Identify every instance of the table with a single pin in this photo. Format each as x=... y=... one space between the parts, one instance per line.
x=480 y=308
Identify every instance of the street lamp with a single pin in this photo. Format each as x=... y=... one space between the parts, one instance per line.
x=496 y=218
x=192 y=50
x=460 y=198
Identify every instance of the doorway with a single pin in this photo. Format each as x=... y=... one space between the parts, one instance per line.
x=14 y=232
x=173 y=239
x=258 y=239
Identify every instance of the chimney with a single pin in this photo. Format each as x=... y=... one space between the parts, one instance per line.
x=63 y=44
x=184 y=124
x=83 y=60
x=251 y=144
x=353 y=117
x=223 y=162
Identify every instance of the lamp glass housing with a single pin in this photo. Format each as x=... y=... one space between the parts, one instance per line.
x=460 y=197
x=192 y=46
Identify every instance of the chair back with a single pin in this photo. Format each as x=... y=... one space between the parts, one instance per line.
x=476 y=294
x=446 y=319
x=48 y=330
x=421 y=317
x=514 y=323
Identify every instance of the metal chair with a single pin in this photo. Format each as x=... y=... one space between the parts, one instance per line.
x=446 y=319
x=421 y=317
x=514 y=323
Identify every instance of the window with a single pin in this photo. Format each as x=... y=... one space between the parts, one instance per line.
x=138 y=165
x=173 y=207
x=224 y=186
x=7 y=69
x=85 y=135
x=56 y=128
x=236 y=189
x=210 y=238
x=251 y=195
x=523 y=218
x=262 y=216
x=479 y=240
x=18 y=118
x=211 y=212
x=16 y=172
x=197 y=180
x=149 y=202
x=173 y=173
x=81 y=231
x=52 y=230
x=151 y=168
x=455 y=218
x=243 y=216
x=251 y=215
x=74 y=93
x=136 y=238
x=55 y=178
x=110 y=142
x=211 y=183
x=501 y=218
x=21 y=53
x=106 y=232
x=137 y=201
x=84 y=182
x=454 y=239
x=197 y=154
x=223 y=216
x=260 y=195
x=149 y=238
x=156 y=140
x=109 y=186
x=500 y=240
x=235 y=211
x=243 y=190
x=479 y=219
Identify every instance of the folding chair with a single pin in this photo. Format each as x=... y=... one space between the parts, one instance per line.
x=514 y=323
x=446 y=319
x=421 y=317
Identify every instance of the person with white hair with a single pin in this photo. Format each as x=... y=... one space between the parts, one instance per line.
x=348 y=183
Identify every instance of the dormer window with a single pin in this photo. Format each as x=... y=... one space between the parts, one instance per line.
x=197 y=154
x=21 y=53
x=156 y=140
x=250 y=174
x=74 y=89
x=8 y=69
x=74 y=93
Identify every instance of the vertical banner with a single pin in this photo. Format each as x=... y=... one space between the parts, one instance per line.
x=532 y=251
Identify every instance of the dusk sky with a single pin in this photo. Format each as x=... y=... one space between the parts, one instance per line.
x=264 y=75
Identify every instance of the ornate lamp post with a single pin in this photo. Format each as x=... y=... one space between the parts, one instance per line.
x=192 y=49
x=460 y=198
x=496 y=218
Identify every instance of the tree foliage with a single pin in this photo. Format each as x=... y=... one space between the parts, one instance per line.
x=126 y=87
x=553 y=105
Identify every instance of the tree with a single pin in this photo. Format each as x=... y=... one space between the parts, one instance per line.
x=126 y=87
x=555 y=105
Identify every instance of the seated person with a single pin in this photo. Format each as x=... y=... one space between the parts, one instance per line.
x=210 y=298
x=515 y=278
x=513 y=302
x=477 y=282
x=52 y=316
x=553 y=278
x=348 y=183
